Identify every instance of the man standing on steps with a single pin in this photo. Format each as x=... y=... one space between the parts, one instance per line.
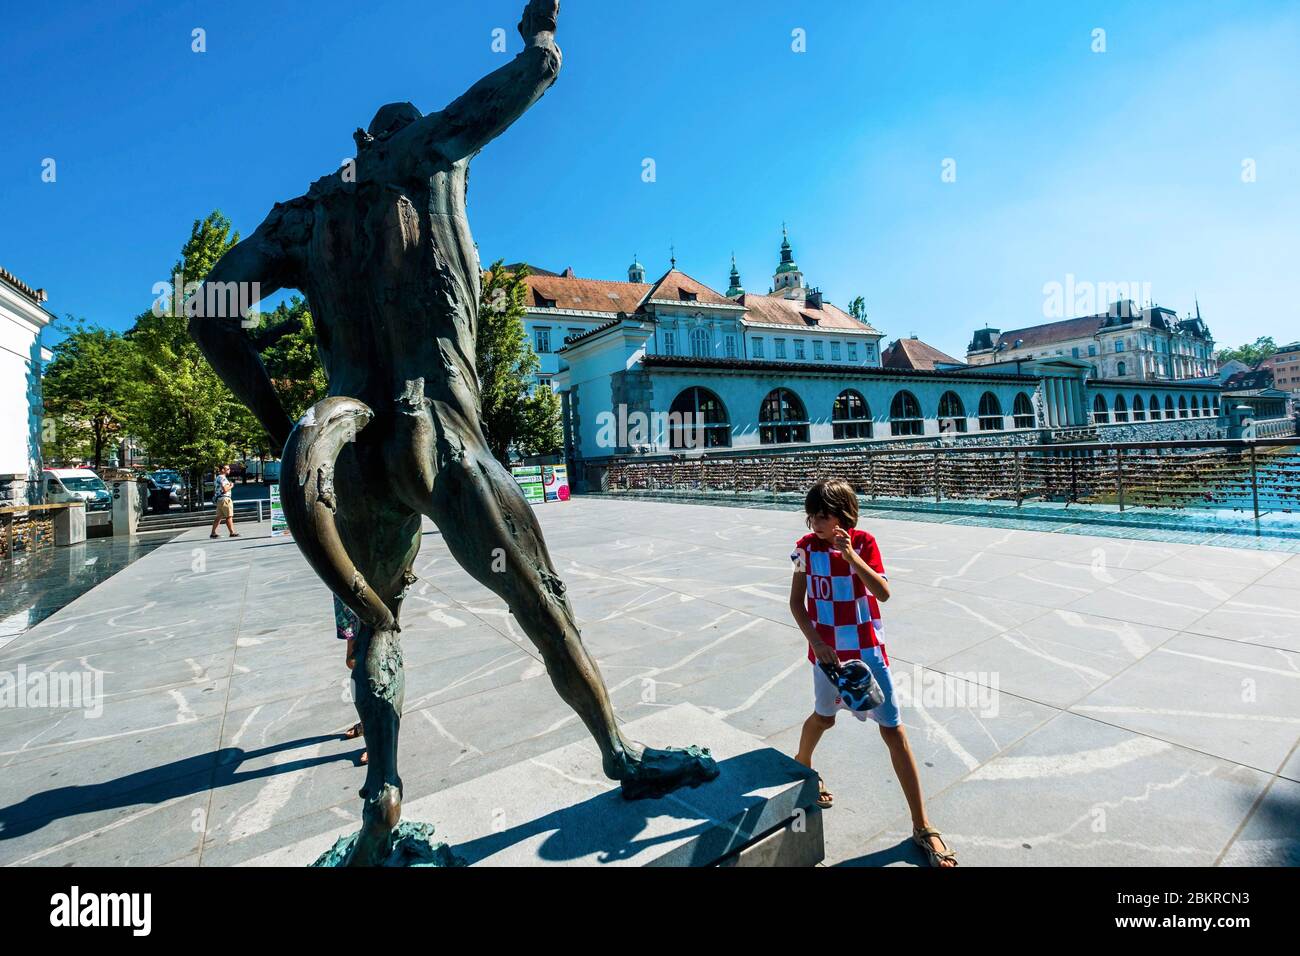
x=221 y=485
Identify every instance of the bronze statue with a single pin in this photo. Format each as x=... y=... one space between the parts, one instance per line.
x=391 y=274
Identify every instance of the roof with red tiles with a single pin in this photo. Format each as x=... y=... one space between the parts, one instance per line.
x=676 y=286
x=36 y=295
x=913 y=353
x=770 y=310
x=585 y=295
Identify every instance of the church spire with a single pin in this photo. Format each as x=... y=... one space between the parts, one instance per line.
x=787 y=274
x=735 y=288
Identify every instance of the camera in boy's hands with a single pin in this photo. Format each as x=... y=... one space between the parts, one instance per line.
x=858 y=687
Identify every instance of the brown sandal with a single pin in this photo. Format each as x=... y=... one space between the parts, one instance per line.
x=825 y=799
x=353 y=732
x=921 y=837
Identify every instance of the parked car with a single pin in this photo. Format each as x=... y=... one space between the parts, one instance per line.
x=162 y=496
x=61 y=485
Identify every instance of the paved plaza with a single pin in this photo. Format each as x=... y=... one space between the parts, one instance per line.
x=1071 y=700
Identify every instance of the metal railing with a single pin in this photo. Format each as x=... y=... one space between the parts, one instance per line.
x=1258 y=476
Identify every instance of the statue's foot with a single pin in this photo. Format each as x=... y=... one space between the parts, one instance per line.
x=653 y=772
x=378 y=819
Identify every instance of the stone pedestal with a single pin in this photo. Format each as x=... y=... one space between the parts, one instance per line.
x=70 y=524
x=558 y=809
x=127 y=507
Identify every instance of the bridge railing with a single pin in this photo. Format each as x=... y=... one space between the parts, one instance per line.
x=1260 y=475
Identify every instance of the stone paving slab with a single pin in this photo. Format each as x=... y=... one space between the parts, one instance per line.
x=1105 y=700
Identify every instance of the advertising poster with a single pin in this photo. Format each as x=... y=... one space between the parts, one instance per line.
x=555 y=481
x=279 y=527
x=529 y=478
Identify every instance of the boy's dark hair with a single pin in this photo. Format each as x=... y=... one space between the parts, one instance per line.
x=835 y=497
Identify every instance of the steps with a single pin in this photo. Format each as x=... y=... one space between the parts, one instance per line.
x=245 y=511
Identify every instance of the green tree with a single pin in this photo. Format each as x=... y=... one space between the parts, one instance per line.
x=858 y=309
x=184 y=413
x=1252 y=353
x=86 y=389
x=506 y=366
x=292 y=360
x=539 y=423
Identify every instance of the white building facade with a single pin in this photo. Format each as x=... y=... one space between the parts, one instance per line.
x=22 y=317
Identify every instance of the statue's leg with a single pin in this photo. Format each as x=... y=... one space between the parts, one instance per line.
x=362 y=541
x=491 y=530
x=382 y=536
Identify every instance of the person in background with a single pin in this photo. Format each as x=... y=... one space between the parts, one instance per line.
x=221 y=485
x=346 y=624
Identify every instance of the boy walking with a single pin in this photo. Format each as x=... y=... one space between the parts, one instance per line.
x=839 y=582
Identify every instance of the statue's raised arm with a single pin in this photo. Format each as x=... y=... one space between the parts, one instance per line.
x=486 y=109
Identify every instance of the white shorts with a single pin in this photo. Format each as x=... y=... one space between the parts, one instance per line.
x=826 y=696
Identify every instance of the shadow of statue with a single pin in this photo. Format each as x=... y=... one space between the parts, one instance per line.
x=719 y=818
x=180 y=778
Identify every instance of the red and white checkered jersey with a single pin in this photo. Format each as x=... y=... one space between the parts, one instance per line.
x=845 y=614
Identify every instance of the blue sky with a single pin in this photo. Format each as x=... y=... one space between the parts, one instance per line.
x=1122 y=166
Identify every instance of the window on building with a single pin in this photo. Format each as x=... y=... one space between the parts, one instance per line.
x=1100 y=413
x=990 y=413
x=1205 y=405
x=1121 y=409
x=573 y=333
x=780 y=348
x=905 y=415
x=798 y=349
x=1121 y=369
x=731 y=346
x=544 y=381
x=782 y=418
x=697 y=419
x=1182 y=406
x=1022 y=411
x=871 y=352
x=853 y=352
x=1074 y=352
x=851 y=418
x=542 y=340
x=1092 y=350
x=757 y=342
x=1139 y=410
x=1119 y=345
x=669 y=346
x=835 y=351
x=1169 y=407
x=700 y=343
x=952 y=414
x=1154 y=408
x=818 y=354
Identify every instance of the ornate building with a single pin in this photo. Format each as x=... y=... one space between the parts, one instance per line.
x=791 y=323
x=1124 y=343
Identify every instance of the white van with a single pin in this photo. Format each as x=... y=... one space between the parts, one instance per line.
x=59 y=485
